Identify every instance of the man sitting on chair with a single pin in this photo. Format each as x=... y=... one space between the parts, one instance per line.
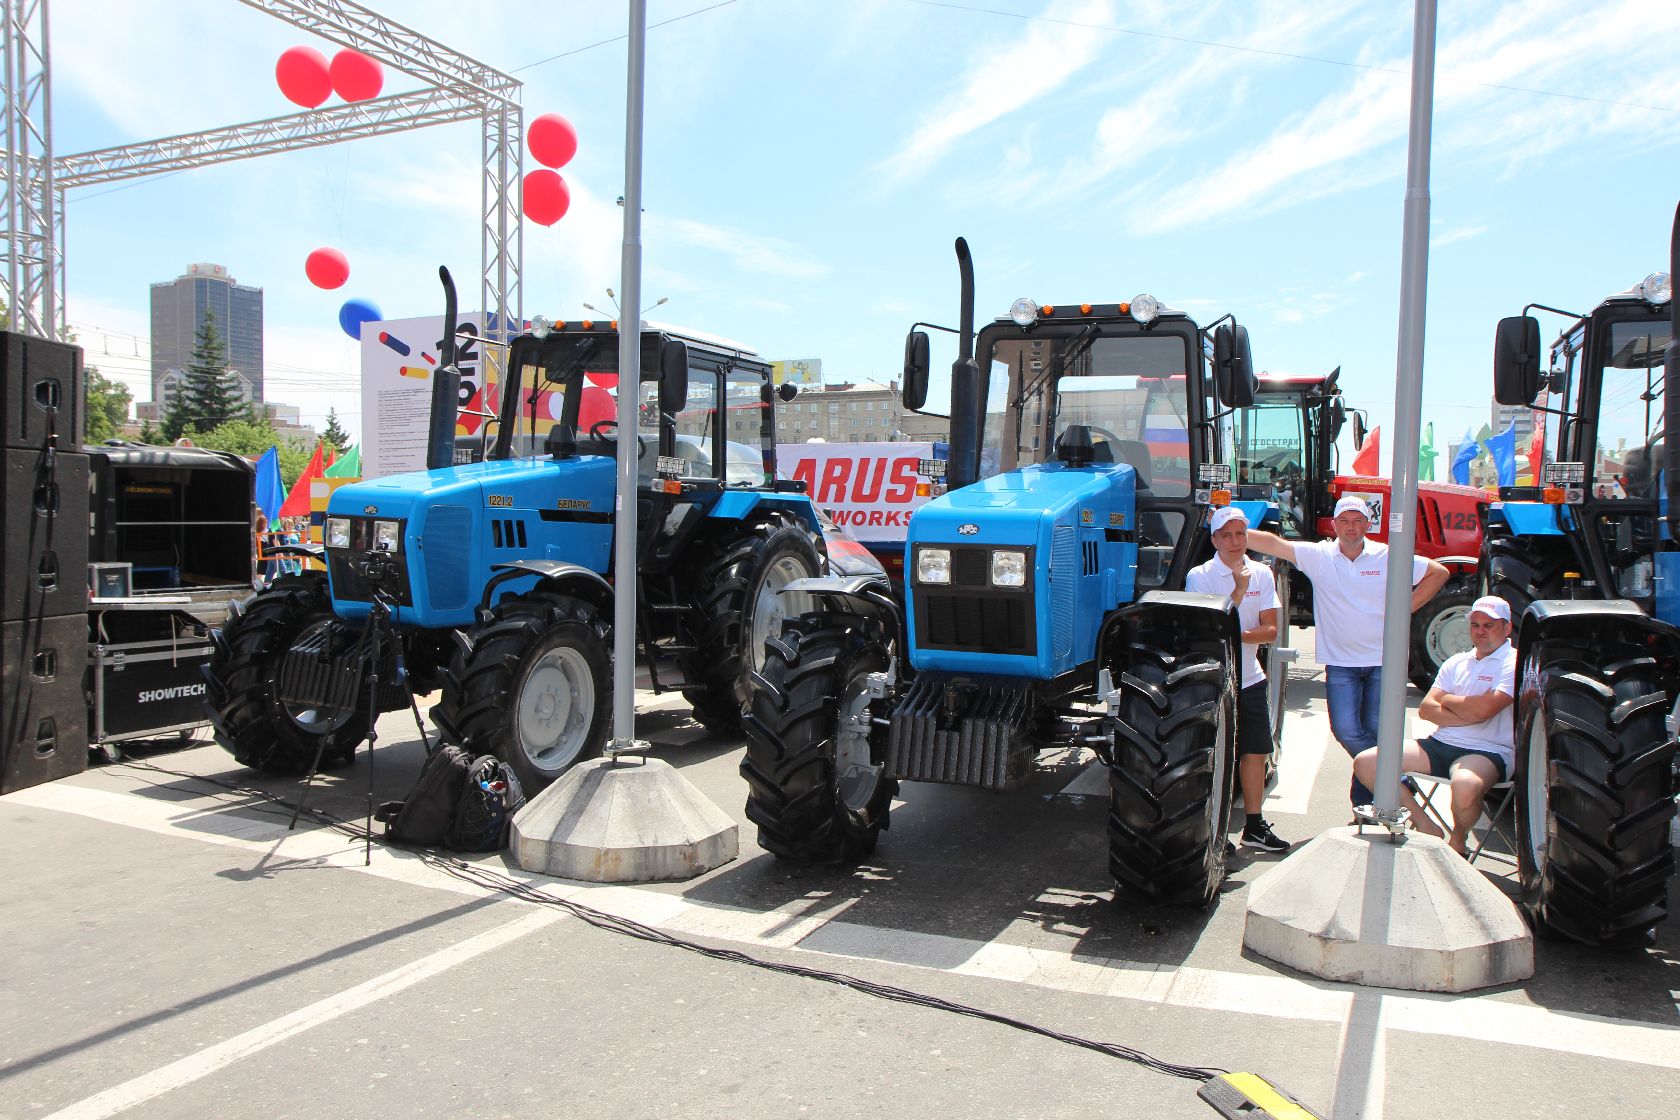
x=1470 y=705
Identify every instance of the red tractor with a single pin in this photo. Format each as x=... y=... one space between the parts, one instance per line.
x=1284 y=453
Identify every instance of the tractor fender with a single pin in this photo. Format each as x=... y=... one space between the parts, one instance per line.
x=1458 y=565
x=868 y=596
x=1592 y=622
x=738 y=505
x=1193 y=620
x=573 y=579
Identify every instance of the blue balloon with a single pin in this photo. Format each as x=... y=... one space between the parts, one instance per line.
x=354 y=313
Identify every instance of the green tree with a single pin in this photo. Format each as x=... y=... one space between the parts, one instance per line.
x=206 y=396
x=251 y=438
x=107 y=405
x=151 y=433
x=335 y=436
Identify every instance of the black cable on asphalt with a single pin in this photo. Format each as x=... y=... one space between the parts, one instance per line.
x=490 y=879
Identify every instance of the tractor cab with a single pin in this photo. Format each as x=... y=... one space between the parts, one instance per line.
x=1598 y=503
x=1282 y=452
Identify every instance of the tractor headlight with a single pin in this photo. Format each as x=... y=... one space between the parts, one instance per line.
x=387 y=536
x=1024 y=311
x=1657 y=288
x=338 y=532
x=1009 y=568
x=933 y=565
x=1145 y=308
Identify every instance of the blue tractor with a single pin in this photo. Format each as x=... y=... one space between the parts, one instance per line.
x=1039 y=606
x=1589 y=560
x=495 y=573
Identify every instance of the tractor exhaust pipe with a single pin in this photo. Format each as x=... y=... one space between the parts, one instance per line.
x=1671 y=394
x=446 y=387
x=966 y=406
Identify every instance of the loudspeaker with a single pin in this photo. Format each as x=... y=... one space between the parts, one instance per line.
x=44 y=549
x=43 y=711
x=41 y=392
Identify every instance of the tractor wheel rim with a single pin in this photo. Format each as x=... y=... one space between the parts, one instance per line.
x=856 y=775
x=1448 y=633
x=1537 y=795
x=1219 y=800
x=554 y=710
x=771 y=607
x=311 y=719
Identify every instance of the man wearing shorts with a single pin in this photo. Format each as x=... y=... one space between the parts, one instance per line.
x=1248 y=586
x=1470 y=705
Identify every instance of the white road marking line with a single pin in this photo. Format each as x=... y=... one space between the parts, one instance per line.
x=212 y=1058
x=1362 y=1060
x=1298 y=768
x=1091 y=782
x=806 y=927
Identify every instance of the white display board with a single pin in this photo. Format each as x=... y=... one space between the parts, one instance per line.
x=869 y=489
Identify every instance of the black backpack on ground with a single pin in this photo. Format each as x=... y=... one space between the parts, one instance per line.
x=424 y=819
x=489 y=798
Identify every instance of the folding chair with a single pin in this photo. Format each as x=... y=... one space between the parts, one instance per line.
x=1424 y=787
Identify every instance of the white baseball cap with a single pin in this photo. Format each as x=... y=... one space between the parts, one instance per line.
x=1492 y=606
x=1224 y=515
x=1356 y=504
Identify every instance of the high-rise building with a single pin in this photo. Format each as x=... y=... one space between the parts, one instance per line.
x=180 y=305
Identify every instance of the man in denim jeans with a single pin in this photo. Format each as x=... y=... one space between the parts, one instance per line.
x=1350 y=580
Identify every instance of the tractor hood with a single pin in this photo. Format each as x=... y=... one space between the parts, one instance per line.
x=1075 y=527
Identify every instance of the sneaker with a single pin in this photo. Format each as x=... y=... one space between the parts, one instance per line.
x=1262 y=837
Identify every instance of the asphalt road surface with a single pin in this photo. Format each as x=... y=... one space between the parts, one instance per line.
x=172 y=951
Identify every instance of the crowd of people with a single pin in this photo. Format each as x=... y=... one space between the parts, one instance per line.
x=1469 y=704
x=269 y=535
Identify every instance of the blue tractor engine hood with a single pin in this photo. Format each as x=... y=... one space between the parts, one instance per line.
x=458 y=523
x=1077 y=527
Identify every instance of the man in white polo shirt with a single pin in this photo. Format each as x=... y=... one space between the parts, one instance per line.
x=1350 y=583
x=1249 y=587
x=1470 y=705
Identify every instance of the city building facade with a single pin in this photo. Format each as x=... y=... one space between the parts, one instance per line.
x=179 y=306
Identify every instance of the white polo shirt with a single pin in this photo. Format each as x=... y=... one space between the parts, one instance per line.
x=1214 y=578
x=1348 y=599
x=1465 y=674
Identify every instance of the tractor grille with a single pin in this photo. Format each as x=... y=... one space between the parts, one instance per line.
x=1064 y=566
x=970 y=615
x=968 y=733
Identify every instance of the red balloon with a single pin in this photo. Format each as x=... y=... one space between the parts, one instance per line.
x=546 y=197
x=356 y=77
x=303 y=76
x=327 y=268
x=552 y=139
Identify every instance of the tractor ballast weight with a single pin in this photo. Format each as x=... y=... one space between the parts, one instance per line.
x=1591 y=567
x=1041 y=608
x=494 y=573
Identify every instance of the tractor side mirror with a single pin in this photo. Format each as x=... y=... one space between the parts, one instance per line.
x=787 y=390
x=1336 y=416
x=1358 y=430
x=1516 y=360
x=673 y=377
x=915 y=370
x=1233 y=366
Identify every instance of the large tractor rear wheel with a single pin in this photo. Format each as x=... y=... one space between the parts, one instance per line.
x=1594 y=791
x=1440 y=628
x=536 y=688
x=243 y=700
x=816 y=786
x=1174 y=745
x=736 y=585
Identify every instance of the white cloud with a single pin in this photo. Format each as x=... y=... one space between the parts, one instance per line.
x=1032 y=64
x=1462 y=233
x=769 y=256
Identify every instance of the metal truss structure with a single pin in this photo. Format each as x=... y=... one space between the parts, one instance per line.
x=456 y=88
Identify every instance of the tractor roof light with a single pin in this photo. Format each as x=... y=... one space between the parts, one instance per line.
x=1145 y=308
x=1024 y=311
x=540 y=326
x=1657 y=288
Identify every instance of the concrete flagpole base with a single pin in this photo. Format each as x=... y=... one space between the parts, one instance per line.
x=633 y=821
x=1366 y=909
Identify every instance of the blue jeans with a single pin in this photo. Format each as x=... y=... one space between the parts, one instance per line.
x=1354 y=696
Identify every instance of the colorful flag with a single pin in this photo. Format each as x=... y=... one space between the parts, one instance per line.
x=1503 y=448
x=297 y=502
x=349 y=465
x=1537 y=449
x=1467 y=452
x=1366 y=462
x=270 y=493
x=1426 y=454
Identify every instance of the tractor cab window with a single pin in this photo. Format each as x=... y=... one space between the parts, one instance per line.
x=738 y=396
x=1268 y=454
x=1630 y=413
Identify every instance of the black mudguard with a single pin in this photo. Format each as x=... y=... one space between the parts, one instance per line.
x=866 y=596
x=574 y=579
x=1182 y=619
x=1593 y=623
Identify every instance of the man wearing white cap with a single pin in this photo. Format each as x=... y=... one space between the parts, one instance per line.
x=1350 y=583
x=1250 y=588
x=1470 y=704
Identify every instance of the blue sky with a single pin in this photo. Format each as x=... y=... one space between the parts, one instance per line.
x=809 y=163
